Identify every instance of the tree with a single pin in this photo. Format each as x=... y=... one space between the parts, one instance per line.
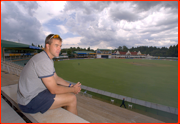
x=125 y=49
x=88 y=49
x=154 y=51
x=173 y=51
x=33 y=44
x=120 y=48
x=69 y=52
x=78 y=48
x=176 y=51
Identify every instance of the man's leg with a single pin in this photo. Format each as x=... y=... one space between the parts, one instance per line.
x=124 y=105
x=68 y=100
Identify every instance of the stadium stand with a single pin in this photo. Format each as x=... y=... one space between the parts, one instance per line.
x=11 y=67
x=12 y=51
x=59 y=115
x=104 y=53
x=19 y=53
x=84 y=54
x=52 y=116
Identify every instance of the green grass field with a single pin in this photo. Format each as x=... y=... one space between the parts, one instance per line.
x=150 y=80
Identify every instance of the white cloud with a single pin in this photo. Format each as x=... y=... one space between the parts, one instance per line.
x=62 y=29
x=47 y=33
x=104 y=24
x=102 y=45
x=71 y=42
x=48 y=10
x=15 y=25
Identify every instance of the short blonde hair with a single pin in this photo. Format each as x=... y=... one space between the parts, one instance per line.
x=49 y=38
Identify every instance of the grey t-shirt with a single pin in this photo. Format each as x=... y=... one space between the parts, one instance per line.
x=30 y=83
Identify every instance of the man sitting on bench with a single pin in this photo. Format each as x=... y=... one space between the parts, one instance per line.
x=40 y=88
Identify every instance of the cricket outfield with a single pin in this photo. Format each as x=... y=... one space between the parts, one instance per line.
x=149 y=80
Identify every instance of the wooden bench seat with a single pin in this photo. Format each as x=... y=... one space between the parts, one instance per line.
x=59 y=115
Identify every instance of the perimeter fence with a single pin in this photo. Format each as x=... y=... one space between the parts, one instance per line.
x=132 y=100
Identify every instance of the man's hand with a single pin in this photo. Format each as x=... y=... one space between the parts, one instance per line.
x=77 y=88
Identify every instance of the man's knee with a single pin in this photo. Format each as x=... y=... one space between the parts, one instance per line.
x=73 y=98
x=68 y=99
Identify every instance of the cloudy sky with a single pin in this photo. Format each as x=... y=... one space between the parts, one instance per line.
x=101 y=24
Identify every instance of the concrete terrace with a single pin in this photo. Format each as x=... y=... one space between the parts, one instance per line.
x=90 y=109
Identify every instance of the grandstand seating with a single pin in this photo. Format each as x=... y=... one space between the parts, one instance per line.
x=52 y=116
x=58 y=115
x=11 y=67
x=21 y=63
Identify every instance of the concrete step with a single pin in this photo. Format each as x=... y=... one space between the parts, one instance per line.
x=59 y=115
x=8 y=114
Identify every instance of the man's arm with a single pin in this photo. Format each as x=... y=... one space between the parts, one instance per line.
x=52 y=86
x=60 y=81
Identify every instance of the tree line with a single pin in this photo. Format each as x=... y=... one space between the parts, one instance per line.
x=40 y=46
x=70 y=50
x=172 y=51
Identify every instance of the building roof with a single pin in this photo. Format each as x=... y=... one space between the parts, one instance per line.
x=5 y=43
x=117 y=52
x=139 y=53
x=122 y=53
x=125 y=53
x=10 y=44
x=83 y=52
x=133 y=53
